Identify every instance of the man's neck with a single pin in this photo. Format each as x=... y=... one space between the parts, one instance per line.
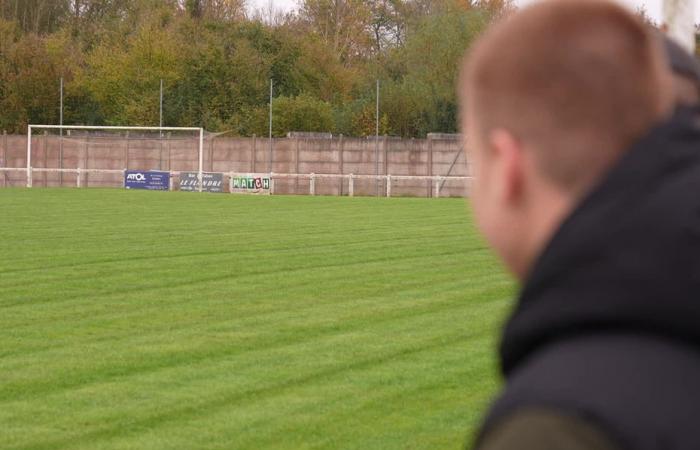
x=547 y=210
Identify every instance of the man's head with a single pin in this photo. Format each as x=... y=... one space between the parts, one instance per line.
x=551 y=97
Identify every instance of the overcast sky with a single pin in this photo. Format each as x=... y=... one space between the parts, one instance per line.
x=653 y=6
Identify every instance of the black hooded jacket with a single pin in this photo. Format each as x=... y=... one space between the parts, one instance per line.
x=607 y=326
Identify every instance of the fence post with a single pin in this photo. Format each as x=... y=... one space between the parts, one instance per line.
x=4 y=157
x=430 y=165
x=170 y=181
x=386 y=156
x=211 y=153
x=124 y=178
x=87 y=158
x=341 y=161
x=46 y=151
x=126 y=151
x=296 y=165
x=169 y=151
x=351 y=186
x=160 y=151
x=29 y=156
x=254 y=154
x=272 y=185
x=230 y=182
x=312 y=185
x=437 y=187
x=77 y=178
x=388 y=185
x=60 y=158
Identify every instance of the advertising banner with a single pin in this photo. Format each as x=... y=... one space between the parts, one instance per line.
x=211 y=182
x=153 y=180
x=250 y=184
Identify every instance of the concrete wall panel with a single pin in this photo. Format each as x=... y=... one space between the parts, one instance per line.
x=245 y=155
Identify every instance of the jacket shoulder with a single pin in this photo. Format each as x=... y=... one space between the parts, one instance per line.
x=640 y=390
x=543 y=429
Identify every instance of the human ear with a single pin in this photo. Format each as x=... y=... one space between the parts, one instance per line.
x=507 y=154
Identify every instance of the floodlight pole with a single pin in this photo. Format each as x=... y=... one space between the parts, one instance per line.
x=201 y=157
x=270 y=131
x=376 y=144
x=60 y=139
x=161 y=107
x=61 y=107
x=160 y=132
x=29 y=156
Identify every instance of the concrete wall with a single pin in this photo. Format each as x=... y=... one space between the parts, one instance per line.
x=338 y=155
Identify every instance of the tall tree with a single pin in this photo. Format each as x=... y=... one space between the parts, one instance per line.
x=342 y=24
x=36 y=16
x=216 y=63
x=216 y=10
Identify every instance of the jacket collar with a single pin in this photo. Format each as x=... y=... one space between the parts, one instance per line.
x=628 y=257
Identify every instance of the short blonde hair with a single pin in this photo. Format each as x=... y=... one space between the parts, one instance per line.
x=577 y=80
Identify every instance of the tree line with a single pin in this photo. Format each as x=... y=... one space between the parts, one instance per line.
x=216 y=58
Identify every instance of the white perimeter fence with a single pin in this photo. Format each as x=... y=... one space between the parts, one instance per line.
x=439 y=181
x=432 y=167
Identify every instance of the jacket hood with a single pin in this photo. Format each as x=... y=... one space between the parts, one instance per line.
x=627 y=258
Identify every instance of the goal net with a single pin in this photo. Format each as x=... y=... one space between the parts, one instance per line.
x=101 y=156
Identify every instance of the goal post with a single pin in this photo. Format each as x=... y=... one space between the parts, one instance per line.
x=34 y=127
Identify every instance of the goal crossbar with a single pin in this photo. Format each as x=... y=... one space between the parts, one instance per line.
x=113 y=128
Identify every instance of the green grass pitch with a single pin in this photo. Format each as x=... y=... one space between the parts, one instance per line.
x=133 y=319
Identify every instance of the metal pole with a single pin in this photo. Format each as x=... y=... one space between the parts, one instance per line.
x=160 y=123
x=376 y=144
x=87 y=160
x=61 y=109
x=29 y=156
x=4 y=157
x=270 y=137
x=341 y=170
x=254 y=153
x=169 y=151
x=430 y=165
x=126 y=153
x=60 y=139
x=201 y=151
x=46 y=155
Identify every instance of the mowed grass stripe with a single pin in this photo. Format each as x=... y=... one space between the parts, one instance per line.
x=356 y=244
x=257 y=391
x=246 y=303
x=256 y=322
x=136 y=271
x=249 y=333
x=189 y=406
x=122 y=314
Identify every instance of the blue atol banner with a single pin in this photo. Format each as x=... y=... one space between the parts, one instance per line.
x=147 y=179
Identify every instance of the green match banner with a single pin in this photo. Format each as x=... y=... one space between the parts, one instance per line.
x=250 y=184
